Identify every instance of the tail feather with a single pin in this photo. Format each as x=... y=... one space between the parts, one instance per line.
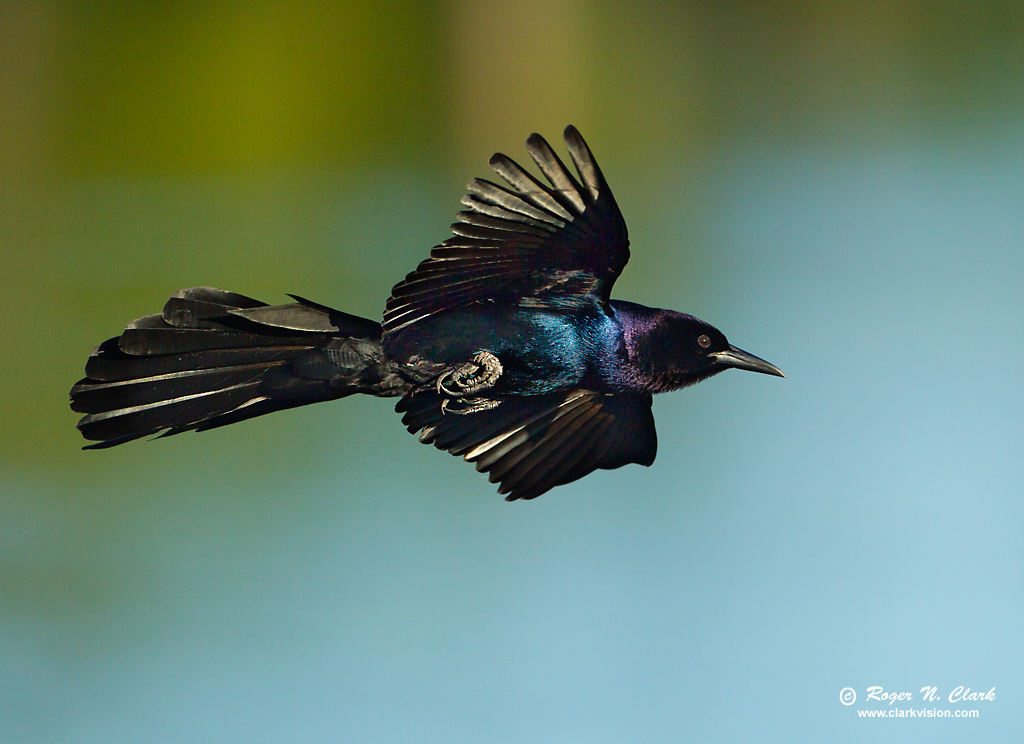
x=109 y=364
x=151 y=340
x=101 y=397
x=212 y=358
x=182 y=413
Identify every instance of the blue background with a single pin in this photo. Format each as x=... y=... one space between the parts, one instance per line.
x=838 y=187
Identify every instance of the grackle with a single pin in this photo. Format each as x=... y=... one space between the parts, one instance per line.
x=503 y=346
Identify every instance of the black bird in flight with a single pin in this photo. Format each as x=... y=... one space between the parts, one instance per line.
x=504 y=346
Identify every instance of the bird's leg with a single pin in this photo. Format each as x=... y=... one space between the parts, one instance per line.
x=466 y=379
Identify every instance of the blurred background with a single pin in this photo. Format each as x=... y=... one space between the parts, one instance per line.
x=838 y=186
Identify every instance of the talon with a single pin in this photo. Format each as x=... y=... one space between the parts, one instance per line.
x=472 y=405
x=480 y=373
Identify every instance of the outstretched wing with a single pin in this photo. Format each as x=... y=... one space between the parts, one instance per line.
x=531 y=444
x=533 y=245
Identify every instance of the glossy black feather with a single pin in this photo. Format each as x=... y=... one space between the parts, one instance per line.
x=214 y=357
x=108 y=363
x=181 y=412
x=536 y=245
x=531 y=444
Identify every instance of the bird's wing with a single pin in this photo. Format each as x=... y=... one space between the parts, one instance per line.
x=531 y=444
x=533 y=245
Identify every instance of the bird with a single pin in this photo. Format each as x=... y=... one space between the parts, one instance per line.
x=503 y=347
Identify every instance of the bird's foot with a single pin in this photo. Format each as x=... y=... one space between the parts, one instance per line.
x=466 y=379
x=467 y=405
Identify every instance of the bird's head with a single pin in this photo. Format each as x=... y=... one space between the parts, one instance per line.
x=678 y=350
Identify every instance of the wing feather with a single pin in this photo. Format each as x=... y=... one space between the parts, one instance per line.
x=531 y=444
x=535 y=245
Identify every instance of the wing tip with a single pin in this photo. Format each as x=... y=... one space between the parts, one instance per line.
x=573 y=139
x=536 y=141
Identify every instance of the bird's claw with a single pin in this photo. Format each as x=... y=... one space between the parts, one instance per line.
x=466 y=379
x=469 y=405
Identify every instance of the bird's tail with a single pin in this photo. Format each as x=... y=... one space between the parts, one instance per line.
x=213 y=358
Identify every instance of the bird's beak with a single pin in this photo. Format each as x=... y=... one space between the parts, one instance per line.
x=733 y=357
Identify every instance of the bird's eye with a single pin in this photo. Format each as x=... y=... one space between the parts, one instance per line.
x=704 y=341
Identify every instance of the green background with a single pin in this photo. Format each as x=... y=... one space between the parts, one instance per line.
x=838 y=186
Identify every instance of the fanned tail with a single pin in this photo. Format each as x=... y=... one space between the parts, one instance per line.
x=212 y=358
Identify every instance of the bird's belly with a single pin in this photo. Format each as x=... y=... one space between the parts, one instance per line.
x=539 y=352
